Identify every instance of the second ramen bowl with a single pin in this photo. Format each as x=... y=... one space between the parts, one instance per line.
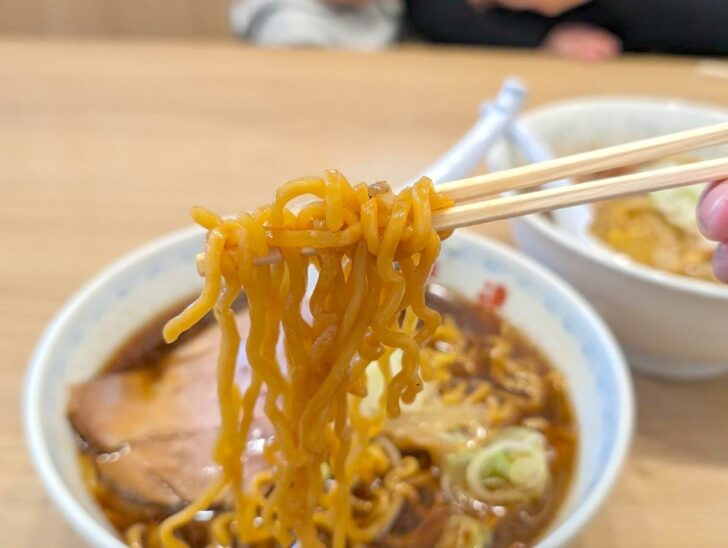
x=669 y=325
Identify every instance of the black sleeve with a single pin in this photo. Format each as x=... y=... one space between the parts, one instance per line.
x=697 y=27
x=667 y=26
x=454 y=21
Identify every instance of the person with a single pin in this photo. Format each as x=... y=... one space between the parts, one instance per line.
x=713 y=223
x=589 y=30
x=348 y=24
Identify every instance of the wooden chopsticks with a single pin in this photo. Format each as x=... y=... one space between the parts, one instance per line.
x=585 y=163
x=593 y=191
x=491 y=207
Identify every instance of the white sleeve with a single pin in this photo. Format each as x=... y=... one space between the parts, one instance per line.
x=286 y=23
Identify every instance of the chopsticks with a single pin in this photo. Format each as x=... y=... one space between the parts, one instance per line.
x=584 y=163
x=486 y=187
x=555 y=198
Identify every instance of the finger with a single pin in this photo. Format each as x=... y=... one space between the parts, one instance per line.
x=720 y=262
x=614 y=46
x=713 y=212
x=596 y=51
x=603 y=51
x=607 y=44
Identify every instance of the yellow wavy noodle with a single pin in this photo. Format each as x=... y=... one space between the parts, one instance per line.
x=372 y=252
x=636 y=228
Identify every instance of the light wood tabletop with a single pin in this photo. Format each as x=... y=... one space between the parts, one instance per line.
x=104 y=146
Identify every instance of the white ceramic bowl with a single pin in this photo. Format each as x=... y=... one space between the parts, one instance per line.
x=133 y=290
x=669 y=325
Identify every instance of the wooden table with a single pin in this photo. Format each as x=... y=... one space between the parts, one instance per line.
x=106 y=145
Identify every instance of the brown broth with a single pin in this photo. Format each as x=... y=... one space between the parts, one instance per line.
x=146 y=355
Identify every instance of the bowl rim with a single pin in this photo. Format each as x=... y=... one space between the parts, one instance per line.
x=94 y=533
x=604 y=256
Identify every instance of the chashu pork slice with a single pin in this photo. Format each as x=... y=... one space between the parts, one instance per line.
x=154 y=429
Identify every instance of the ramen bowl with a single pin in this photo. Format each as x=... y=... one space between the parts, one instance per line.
x=115 y=304
x=669 y=325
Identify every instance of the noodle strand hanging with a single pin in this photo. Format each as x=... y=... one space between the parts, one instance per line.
x=373 y=254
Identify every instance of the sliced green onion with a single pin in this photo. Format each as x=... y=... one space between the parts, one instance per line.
x=511 y=468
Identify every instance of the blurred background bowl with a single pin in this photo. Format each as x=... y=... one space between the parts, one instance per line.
x=120 y=300
x=671 y=326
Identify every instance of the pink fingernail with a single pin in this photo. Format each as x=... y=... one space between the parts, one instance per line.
x=713 y=213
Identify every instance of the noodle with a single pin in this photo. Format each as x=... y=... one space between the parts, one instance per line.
x=658 y=229
x=433 y=476
x=374 y=253
x=633 y=226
